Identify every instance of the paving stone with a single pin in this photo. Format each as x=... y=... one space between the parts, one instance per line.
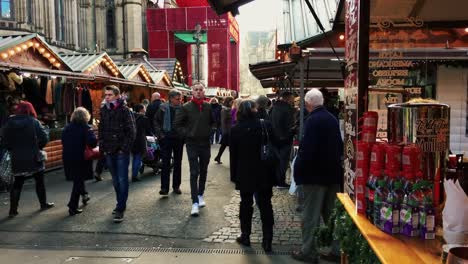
x=287 y=229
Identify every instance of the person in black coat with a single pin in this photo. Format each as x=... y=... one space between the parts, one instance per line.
x=151 y=110
x=216 y=111
x=318 y=170
x=282 y=120
x=75 y=137
x=139 y=145
x=226 y=123
x=25 y=137
x=251 y=173
x=172 y=145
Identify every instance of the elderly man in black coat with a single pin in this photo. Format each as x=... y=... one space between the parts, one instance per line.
x=318 y=169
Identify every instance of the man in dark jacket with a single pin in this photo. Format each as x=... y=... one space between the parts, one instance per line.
x=170 y=142
x=116 y=136
x=193 y=122
x=152 y=109
x=318 y=169
x=282 y=120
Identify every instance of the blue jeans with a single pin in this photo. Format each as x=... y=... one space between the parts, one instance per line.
x=136 y=164
x=118 y=167
x=215 y=136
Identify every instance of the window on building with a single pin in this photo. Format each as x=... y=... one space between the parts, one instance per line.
x=110 y=24
x=29 y=9
x=6 y=9
x=60 y=20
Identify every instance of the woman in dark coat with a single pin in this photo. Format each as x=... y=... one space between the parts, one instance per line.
x=251 y=173
x=25 y=137
x=226 y=122
x=139 y=145
x=75 y=137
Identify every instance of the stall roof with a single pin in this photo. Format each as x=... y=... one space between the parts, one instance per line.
x=15 y=43
x=317 y=72
x=158 y=76
x=129 y=71
x=82 y=62
x=168 y=65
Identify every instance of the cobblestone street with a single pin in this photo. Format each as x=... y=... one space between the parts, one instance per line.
x=287 y=229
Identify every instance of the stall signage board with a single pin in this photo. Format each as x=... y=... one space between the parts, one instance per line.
x=351 y=93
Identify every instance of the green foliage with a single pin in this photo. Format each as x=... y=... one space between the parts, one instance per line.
x=342 y=228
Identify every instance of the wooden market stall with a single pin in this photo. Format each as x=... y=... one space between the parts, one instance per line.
x=35 y=73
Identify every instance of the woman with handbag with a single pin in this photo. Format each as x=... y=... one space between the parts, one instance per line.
x=78 y=139
x=252 y=171
x=24 y=137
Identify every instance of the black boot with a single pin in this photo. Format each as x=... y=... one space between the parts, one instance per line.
x=41 y=193
x=266 y=244
x=14 y=200
x=244 y=240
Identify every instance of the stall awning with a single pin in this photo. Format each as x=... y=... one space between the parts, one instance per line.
x=188 y=37
x=318 y=73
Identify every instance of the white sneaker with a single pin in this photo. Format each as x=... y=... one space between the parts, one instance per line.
x=195 y=210
x=201 y=202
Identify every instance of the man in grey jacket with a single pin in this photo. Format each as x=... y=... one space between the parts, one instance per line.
x=193 y=122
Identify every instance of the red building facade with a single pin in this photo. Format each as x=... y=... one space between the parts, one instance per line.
x=222 y=40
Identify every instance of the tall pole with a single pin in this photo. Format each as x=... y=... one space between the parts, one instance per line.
x=198 y=58
x=197 y=36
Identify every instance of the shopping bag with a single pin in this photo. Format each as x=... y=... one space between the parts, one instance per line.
x=6 y=175
x=293 y=187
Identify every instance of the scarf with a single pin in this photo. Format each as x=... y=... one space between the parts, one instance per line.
x=112 y=105
x=167 y=124
x=198 y=102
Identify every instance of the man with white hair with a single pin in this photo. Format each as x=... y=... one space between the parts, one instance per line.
x=318 y=169
x=193 y=122
x=152 y=109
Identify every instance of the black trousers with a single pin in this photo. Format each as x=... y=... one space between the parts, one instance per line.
x=199 y=158
x=78 y=188
x=171 y=147
x=18 y=186
x=266 y=212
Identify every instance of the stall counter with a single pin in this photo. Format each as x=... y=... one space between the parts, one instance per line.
x=393 y=249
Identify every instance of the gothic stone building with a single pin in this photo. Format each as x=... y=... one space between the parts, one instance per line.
x=114 y=26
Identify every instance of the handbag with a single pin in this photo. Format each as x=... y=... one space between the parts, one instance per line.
x=267 y=152
x=92 y=153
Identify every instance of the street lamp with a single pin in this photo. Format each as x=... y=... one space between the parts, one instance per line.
x=197 y=35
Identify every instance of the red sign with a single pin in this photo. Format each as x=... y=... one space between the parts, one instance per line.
x=191 y=3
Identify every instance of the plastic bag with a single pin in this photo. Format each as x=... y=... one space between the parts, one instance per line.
x=455 y=213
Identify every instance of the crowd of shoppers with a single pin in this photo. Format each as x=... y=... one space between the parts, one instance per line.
x=259 y=135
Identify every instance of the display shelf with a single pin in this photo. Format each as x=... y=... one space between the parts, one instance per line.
x=393 y=249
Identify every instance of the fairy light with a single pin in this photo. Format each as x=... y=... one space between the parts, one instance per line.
x=4 y=55
x=41 y=50
x=11 y=52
